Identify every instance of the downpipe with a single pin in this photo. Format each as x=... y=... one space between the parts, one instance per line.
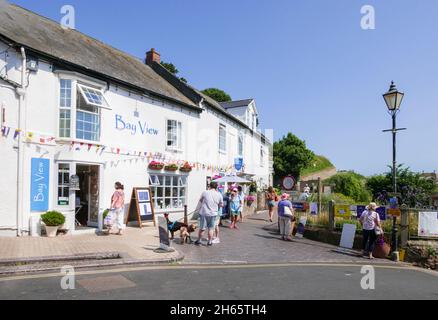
x=21 y=92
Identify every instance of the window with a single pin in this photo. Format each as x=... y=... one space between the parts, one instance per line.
x=82 y=110
x=174 y=134
x=222 y=138
x=92 y=97
x=63 y=184
x=262 y=156
x=240 y=144
x=87 y=120
x=169 y=191
x=65 y=108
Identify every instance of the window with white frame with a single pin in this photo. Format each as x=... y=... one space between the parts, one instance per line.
x=65 y=107
x=63 y=184
x=240 y=144
x=262 y=156
x=222 y=138
x=169 y=191
x=174 y=134
x=87 y=120
x=84 y=111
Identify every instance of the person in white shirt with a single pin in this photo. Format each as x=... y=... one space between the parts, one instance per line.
x=370 y=220
x=210 y=203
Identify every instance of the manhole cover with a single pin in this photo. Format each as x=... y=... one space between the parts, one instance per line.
x=100 y=284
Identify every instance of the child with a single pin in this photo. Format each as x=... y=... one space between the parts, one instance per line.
x=235 y=207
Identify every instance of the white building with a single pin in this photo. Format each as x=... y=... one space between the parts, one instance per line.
x=72 y=106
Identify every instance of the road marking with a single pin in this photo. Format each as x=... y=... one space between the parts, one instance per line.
x=206 y=267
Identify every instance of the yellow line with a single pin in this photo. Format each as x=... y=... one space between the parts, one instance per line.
x=205 y=267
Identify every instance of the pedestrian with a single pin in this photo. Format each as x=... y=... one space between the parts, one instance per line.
x=242 y=200
x=210 y=203
x=285 y=216
x=370 y=221
x=271 y=198
x=235 y=208
x=117 y=207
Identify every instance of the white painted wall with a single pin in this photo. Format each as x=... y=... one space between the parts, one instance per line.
x=200 y=142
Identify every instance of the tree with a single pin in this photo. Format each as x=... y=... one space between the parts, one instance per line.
x=170 y=67
x=217 y=94
x=352 y=185
x=173 y=70
x=291 y=156
x=415 y=190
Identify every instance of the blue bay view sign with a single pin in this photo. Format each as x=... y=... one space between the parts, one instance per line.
x=134 y=128
x=39 y=185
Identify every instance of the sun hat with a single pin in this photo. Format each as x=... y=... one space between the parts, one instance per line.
x=372 y=206
x=284 y=196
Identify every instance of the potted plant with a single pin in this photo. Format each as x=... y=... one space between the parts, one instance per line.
x=250 y=200
x=155 y=165
x=52 y=220
x=186 y=167
x=171 y=167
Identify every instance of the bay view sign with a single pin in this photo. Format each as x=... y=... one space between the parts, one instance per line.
x=139 y=127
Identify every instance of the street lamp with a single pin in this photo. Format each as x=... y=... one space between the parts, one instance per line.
x=393 y=99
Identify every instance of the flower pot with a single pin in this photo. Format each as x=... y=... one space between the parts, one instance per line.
x=158 y=168
x=51 y=231
x=170 y=169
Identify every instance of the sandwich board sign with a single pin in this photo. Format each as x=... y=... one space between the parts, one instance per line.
x=348 y=234
x=141 y=208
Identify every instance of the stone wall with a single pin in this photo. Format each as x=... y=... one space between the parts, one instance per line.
x=423 y=253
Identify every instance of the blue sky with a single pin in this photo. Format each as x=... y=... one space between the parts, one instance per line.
x=309 y=65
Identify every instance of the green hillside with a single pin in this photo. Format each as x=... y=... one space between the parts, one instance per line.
x=319 y=163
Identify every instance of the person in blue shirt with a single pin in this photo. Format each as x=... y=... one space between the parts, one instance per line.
x=235 y=208
x=285 y=221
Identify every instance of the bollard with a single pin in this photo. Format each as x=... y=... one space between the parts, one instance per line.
x=404 y=226
x=186 y=220
x=331 y=215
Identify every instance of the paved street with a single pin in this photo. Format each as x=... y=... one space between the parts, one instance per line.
x=229 y=282
x=252 y=244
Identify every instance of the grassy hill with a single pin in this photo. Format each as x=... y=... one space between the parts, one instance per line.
x=320 y=163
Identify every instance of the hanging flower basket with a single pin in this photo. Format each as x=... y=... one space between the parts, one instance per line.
x=171 y=167
x=250 y=200
x=155 y=165
x=186 y=167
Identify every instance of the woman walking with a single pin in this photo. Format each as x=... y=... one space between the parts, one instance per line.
x=235 y=208
x=285 y=215
x=370 y=220
x=271 y=198
x=118 y=205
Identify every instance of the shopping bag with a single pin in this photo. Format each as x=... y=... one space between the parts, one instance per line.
x=109 y=218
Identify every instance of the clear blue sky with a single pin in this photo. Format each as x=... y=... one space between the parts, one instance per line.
x=309 y=65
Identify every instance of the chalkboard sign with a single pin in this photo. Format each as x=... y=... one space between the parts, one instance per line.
x=141 y=207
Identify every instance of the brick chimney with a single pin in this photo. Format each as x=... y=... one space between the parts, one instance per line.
x=152 y=56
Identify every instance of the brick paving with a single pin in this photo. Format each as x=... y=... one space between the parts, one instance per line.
x=135 y=244
x=253 y=244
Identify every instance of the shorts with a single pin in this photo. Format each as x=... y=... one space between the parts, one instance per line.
x=271 y=204
x=235 y=213
x=207 y=222
x=217 y=221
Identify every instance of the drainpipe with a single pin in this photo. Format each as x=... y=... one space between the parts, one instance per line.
x=21 y=92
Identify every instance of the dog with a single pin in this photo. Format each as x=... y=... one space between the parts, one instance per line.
x=185 y=232
x=179 y=226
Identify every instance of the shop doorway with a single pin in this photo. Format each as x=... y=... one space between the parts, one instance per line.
x=87 y=198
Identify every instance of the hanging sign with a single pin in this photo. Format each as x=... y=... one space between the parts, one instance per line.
x=238 y=163
x=39 y=185
x=141 y=207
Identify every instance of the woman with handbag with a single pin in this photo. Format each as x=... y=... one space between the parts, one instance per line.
x=370 y=221
x=285 y=216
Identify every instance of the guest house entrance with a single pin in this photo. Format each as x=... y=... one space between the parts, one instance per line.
x=87 y=198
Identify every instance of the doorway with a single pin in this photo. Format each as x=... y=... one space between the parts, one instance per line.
x=87 y=198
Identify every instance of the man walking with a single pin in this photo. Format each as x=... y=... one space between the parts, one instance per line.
x=210 y=203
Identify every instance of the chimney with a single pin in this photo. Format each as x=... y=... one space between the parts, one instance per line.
x=152 y=56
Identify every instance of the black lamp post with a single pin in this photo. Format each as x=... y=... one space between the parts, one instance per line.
x=393 y=99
